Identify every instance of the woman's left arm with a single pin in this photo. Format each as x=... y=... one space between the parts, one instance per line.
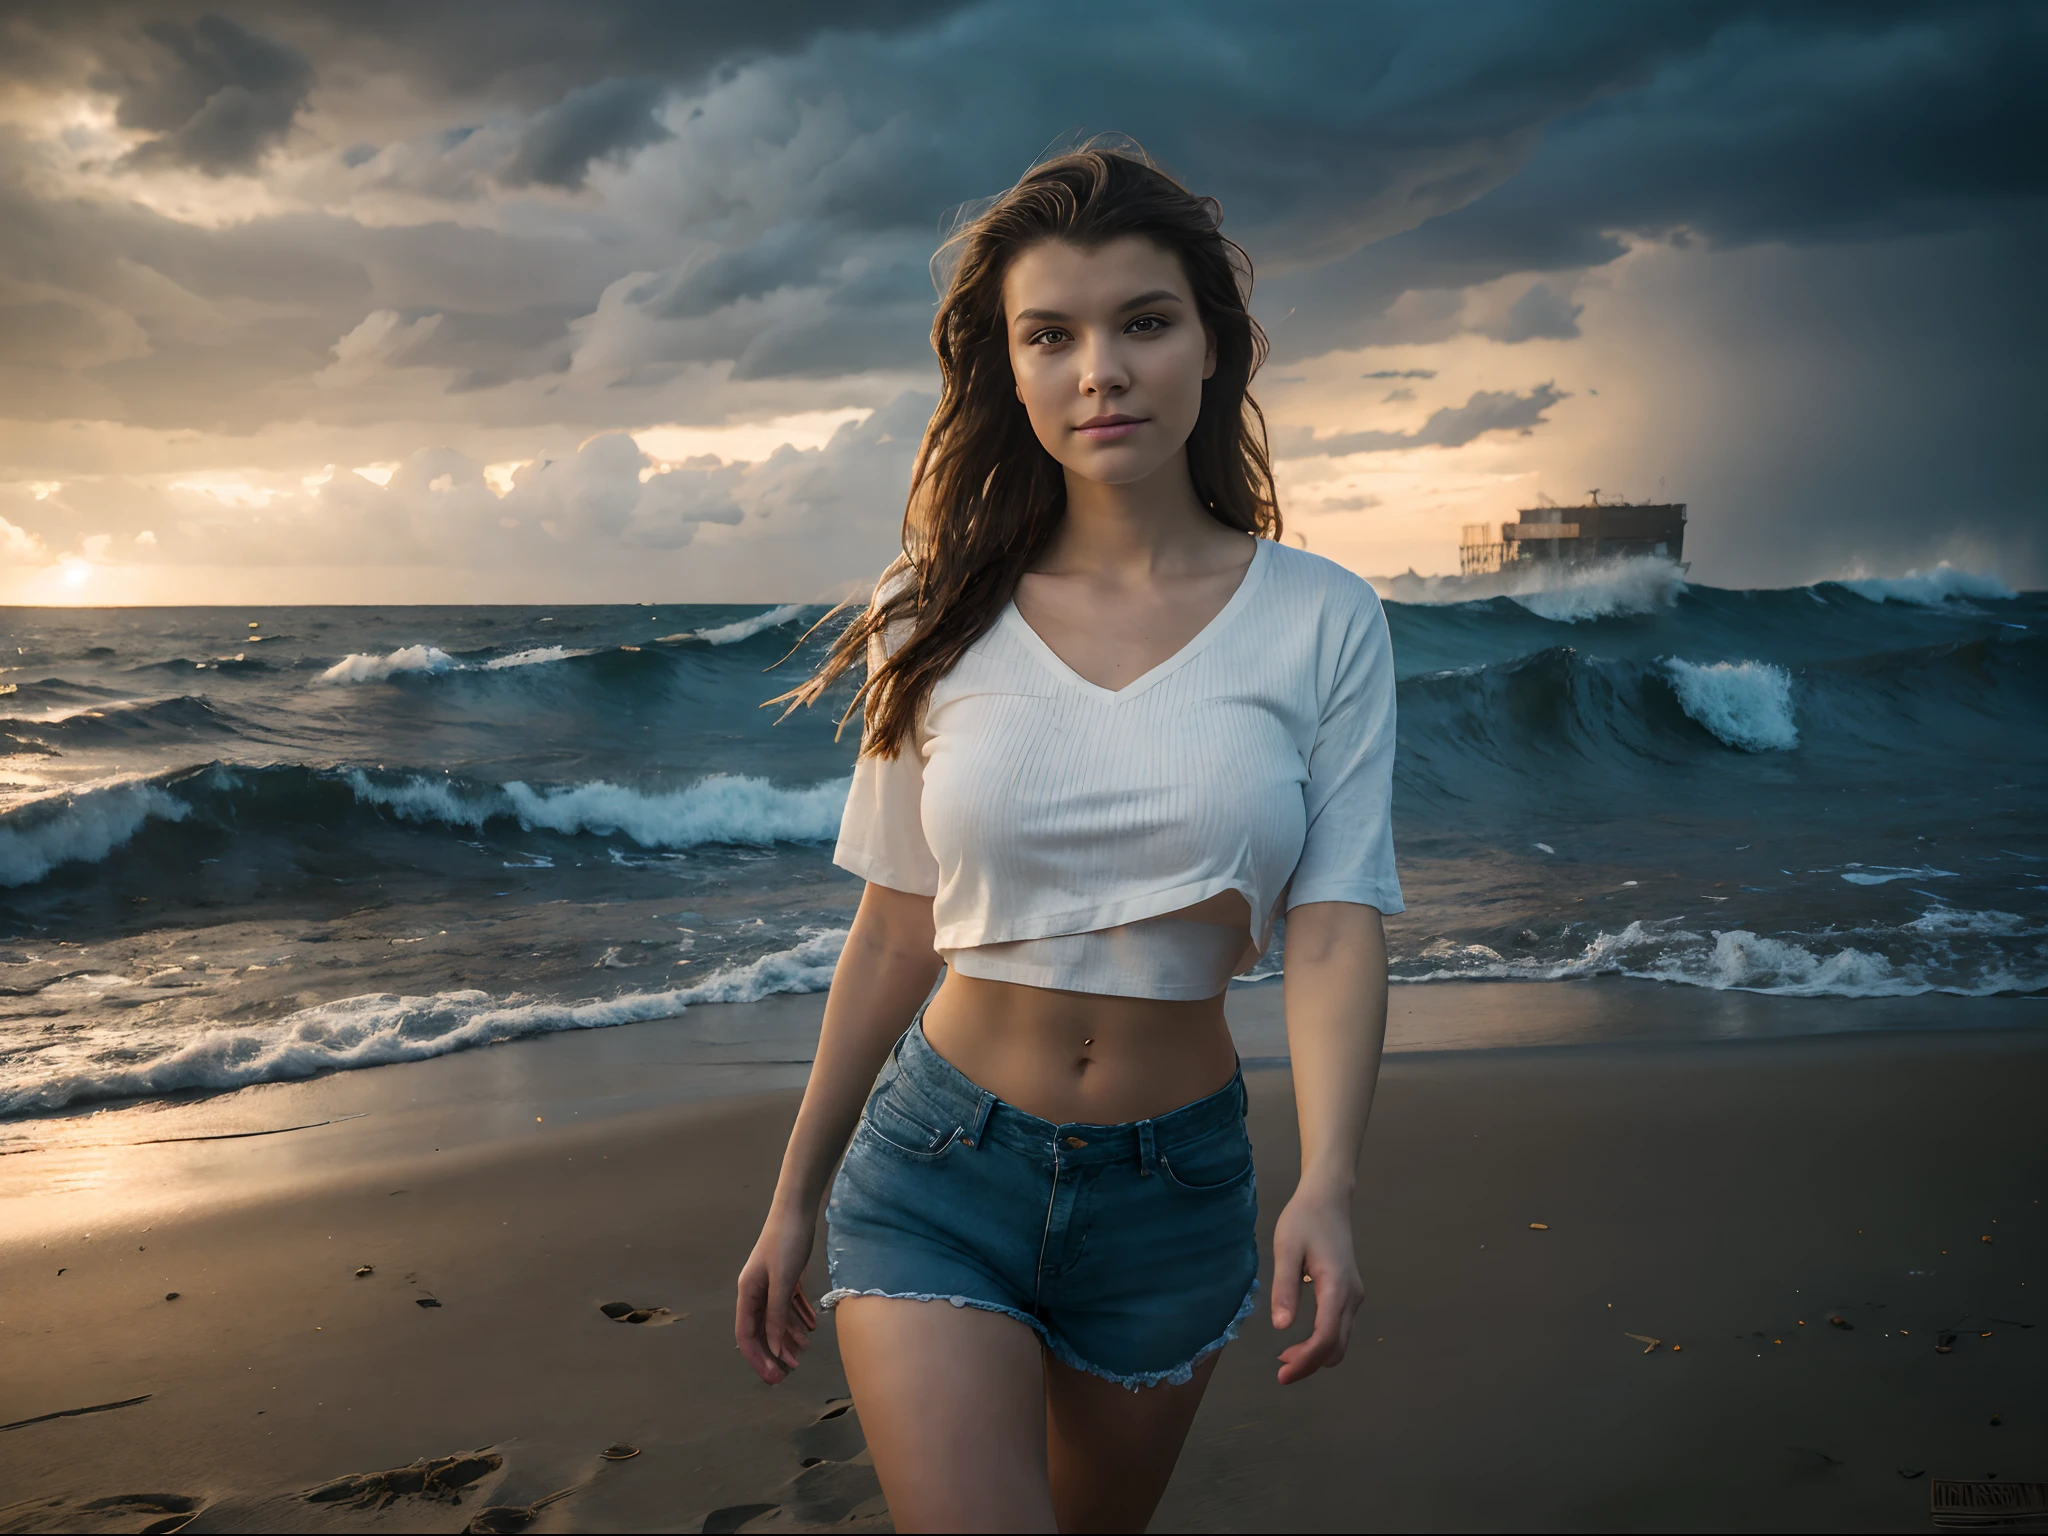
x=1336 y=998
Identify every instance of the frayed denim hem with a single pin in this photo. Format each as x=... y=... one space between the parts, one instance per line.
x=832 y=1299
x=1176 y=1376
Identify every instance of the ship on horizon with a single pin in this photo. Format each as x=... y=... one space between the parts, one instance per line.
x=1575 y=535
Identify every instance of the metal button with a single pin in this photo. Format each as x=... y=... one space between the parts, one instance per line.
x=1075 y=1141
x=966 y=1141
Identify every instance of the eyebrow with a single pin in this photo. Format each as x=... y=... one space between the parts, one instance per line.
x=1157 y=295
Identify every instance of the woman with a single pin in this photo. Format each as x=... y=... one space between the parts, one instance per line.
x=1112 y=729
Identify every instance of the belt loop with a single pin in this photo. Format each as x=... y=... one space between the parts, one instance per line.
x=983 y=1107
x=1148 y=1150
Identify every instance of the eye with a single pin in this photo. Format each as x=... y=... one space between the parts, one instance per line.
x=1150 y=324
x=1052 y=335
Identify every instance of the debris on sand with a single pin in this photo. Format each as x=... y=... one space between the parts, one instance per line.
x=620 y=1452
x=1944 y=1343
x=1649 y=1344
x=1842 y=1322
x=425 y=1301
x=72 y=1413
x=630 y=1312
x=366 y=1270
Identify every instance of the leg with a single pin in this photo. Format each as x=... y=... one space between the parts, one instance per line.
x=1112 y=1450
x=952 y=1400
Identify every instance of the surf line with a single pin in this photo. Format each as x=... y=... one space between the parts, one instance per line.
x=314 y=1125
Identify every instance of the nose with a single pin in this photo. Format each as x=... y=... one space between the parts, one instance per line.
x=1103 y=371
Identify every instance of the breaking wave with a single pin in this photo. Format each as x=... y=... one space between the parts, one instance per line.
x=81 y=826
x=1929 y=589
x=746 y=629
x=381 y=1028
x=1564 y=594
x=1904 y=961
x=721 y=808
x=1747 y=704
x=431 y=660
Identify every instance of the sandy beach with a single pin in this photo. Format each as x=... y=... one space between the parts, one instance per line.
x=1730 y=1198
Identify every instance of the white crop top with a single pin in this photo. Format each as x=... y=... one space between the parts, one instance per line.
x=1058 y=825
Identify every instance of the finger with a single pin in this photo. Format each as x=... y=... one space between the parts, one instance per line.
x=777 y=1331
x=1286 y=1281
x=1331 y=1340
x=805 y=1310
x=747 y=1329
x=746 y=1321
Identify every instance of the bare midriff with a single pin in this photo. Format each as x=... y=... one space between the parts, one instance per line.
x=1081 y=1057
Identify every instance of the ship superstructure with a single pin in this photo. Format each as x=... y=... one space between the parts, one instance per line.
x=1575 y=535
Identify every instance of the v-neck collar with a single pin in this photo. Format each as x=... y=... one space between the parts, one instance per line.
x=1137 y=685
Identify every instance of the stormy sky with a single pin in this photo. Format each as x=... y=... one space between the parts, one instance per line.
x=370 y=301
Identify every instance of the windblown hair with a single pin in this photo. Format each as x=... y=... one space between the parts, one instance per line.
x=985 y=496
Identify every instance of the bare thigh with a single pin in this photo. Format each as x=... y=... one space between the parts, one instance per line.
x=1111 y=1451
x=952 y=1400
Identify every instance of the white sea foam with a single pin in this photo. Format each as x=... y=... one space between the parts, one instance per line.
x=1801 y=965
x=746 y=629
x=721 y=808
x=534 y=657
x=1930 y=589
x=384 y=1027
x=361 y=667
x=81 y=826
x=1884 y=874
x=1565 y=594
x=1747 y=704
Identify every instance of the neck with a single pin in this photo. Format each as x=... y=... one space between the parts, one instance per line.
x=1138 y=527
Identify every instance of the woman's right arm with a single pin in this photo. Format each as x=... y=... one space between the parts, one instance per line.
x=884 y=973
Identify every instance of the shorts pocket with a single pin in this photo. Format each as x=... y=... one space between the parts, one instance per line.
x=902 y=1128
x=1210 y=1164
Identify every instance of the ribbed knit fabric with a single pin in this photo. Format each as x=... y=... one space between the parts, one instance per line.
x=1033 y=803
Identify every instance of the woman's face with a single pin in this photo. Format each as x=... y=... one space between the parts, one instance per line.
x=1110 y=352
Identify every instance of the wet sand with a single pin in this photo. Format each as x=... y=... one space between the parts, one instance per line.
x=1729 y=1198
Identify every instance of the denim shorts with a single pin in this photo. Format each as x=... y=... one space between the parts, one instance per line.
x=1130 y=1250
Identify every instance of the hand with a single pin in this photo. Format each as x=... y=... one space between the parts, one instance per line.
x=774 y=1320
x=1313 y=1240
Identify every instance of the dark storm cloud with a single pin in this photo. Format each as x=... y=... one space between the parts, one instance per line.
x=528 y=53
x=1538 y=312
x=1800 y=125
x=605 y=121
x=749 y=193
x=216 y=94
x=1451 y=427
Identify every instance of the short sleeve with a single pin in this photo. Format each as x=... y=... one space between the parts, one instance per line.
x=1348 y=854
x=881 y=832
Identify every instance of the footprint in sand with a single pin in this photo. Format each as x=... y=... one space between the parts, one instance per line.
x=836 y=1485
x=440 y=1478
x=177 y=1510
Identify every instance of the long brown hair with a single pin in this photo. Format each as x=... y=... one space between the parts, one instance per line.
x=985 y=496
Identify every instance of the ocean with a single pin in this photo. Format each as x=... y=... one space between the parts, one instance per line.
x=248 y=845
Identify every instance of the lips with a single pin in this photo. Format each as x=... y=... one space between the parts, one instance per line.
x=1107 y=428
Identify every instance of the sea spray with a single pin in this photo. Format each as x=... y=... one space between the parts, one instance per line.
x=1930 y=589
x=1563 y=593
